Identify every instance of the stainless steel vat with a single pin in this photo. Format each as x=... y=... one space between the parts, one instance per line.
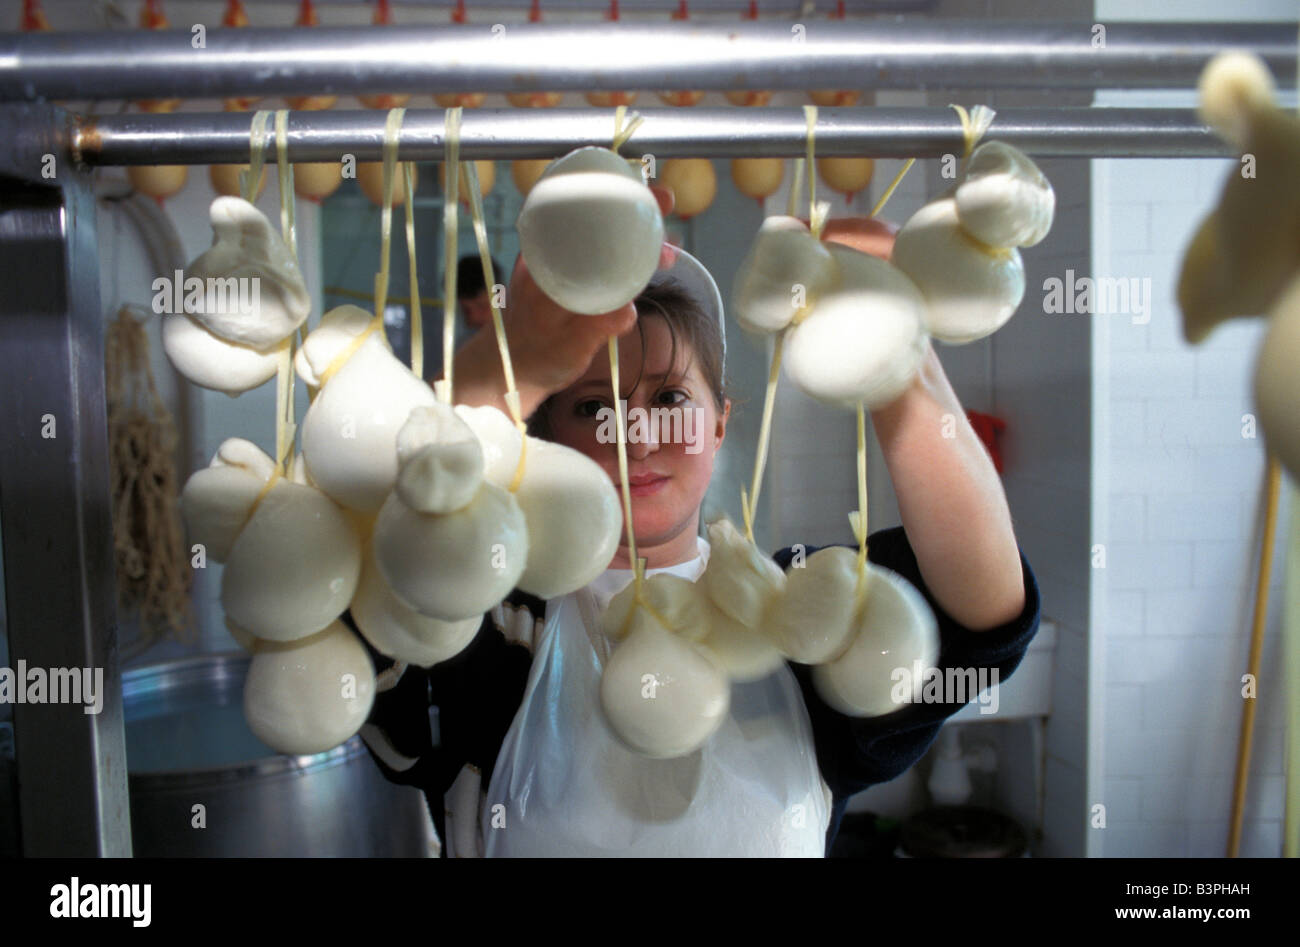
x=188 y=746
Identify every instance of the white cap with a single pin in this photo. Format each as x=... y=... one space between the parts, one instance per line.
x=697 y=280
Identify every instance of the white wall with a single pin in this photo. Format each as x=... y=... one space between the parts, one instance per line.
x=1177 y=501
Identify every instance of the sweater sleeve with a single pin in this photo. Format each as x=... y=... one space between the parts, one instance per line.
x=854 y=753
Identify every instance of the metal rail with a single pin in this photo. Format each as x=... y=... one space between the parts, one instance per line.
x=877 y=53
x=223 y=137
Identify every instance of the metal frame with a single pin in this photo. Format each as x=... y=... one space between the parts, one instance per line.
x=223 y=137
x=60 y=594
x=532 y=57
x=54 y=498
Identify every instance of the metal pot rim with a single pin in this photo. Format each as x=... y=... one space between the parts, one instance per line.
x=176 y=672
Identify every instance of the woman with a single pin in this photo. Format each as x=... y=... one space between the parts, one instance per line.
x=524 y=763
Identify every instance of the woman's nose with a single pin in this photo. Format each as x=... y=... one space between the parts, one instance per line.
x=642 y=434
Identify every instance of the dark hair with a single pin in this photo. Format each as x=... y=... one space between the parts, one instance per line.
x=687 y=321
x=469 y=276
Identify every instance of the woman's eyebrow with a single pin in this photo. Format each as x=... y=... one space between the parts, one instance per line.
x=603 y=383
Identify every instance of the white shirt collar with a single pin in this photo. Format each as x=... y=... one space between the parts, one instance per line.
x=612 y=581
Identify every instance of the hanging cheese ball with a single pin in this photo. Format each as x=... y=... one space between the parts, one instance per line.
x=453 y=566
x=211 y=362
x=349 y=434
x=694 y=184
x=370 y=176
x=225 y=179
x=216 y=500
x=535 y=100
x=609 y=100
x=677 y=600
x=294 y=566
x=527 y=172
x=159 y=180
x=831 y=98
x=246 y=247
x=464 y=100
x=309 y=696
x=864 y=340
x=758 y=178
x=1004 y=200
x=402 y=633
x=748 y=98
x=574 y=519
x=661 y=695
x=785 y=264
x=744 y=652
x=813 y=620
x=970 y=289
x=740 y=580
x=590 y=232
x=316 y=181
x=846 y=175
x=894 y=629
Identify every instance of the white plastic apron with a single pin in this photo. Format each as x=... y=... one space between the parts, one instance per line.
x=564 y=786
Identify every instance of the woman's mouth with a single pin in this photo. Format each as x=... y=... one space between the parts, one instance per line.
x=644 y=485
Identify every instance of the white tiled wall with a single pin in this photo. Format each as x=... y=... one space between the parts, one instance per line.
x=1181 y=489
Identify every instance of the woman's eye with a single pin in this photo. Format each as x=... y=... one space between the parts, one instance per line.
x=588 y=409
x=673 y=396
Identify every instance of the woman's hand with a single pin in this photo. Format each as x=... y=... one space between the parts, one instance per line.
x=550 y=346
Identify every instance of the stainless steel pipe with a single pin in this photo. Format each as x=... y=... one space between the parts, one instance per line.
x=223 y=137
x=876 y=53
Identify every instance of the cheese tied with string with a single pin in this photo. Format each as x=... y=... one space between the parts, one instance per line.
x=245 y=248
x=590 y=231
x=211 y=362
x=784 y=255
x=456 y=564
x=894 y=628
x=742 y=584
x=309 y=696
x=1004 y=200
x=573 y=515
x=349 y=434
x=864 y=339
x=970 y=289
x=292 y=558
x=676 y=602
x=400 y=632
x=662 y=695
x=814 y=620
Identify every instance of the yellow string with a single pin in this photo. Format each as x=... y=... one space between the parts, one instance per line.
x=973 y=125
x=880 y=204
x=749 y=504
x=417 y=317
x=248 y=180
x=621 y=135
x=391 y=128
x=817 y=212
x=792 y=205
x=858 y=520
x=637 y=567
x=489 y=276
x=451 y=235
x=285 y=170
x=817 y=218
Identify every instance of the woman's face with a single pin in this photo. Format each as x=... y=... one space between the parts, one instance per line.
x=673 y=429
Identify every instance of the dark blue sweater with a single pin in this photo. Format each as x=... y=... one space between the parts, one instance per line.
x=478 y=692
